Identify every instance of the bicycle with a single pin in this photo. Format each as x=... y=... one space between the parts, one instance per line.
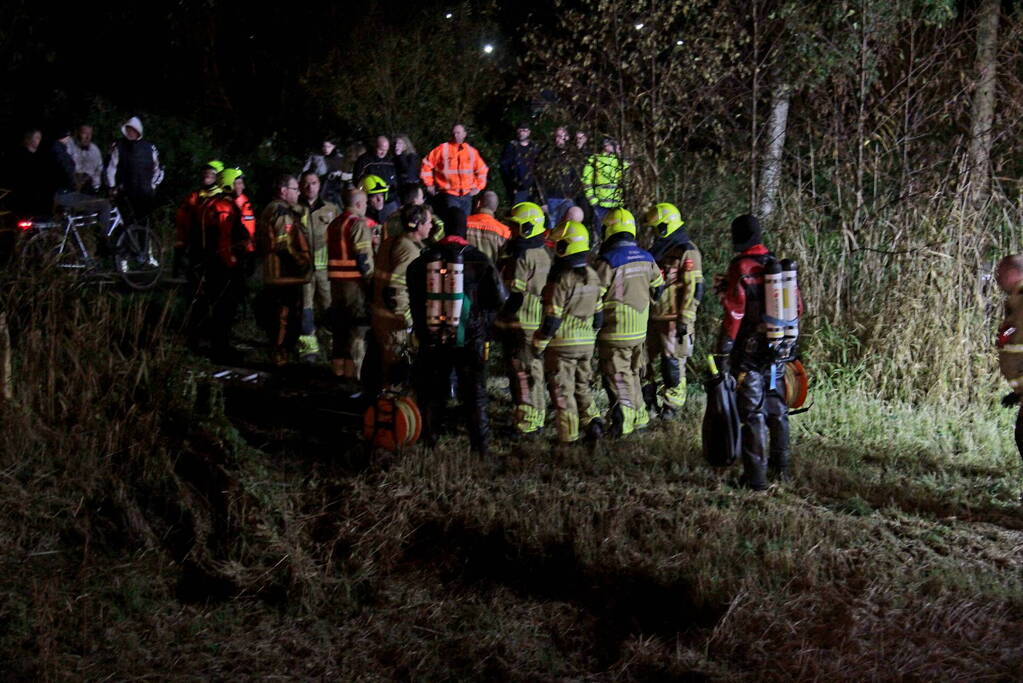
x=135 y=248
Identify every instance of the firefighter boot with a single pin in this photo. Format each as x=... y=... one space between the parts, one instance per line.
x=673 y=395
x=650 y=397
x=778 y=427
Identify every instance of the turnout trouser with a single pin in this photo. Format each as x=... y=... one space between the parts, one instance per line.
x=667 y=363
x=350 y=320
x=525 y=378
x=621 y=369
x=316 y=291
x=569 y=379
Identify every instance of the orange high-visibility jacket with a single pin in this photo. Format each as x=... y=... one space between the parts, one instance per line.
x=456 y=169
x=347 y=236
x=248 y=219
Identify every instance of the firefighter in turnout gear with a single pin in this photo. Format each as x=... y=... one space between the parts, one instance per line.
x=629 y=278
x=744 y=350
x=524 y=270
x=1009 y=276
x=350 y=270
x=280 y=240
x=217 y=247
x=454 y=294
x=669 y=340
x=572 y=312
x=186 y=218
x=392 y=318
x=321 y=214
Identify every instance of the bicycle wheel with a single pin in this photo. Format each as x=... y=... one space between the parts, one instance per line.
x=50 y=249
x=137 y=253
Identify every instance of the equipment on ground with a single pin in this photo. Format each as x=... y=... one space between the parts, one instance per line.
x=722 y=436
x=797 y=384
x=392 y=423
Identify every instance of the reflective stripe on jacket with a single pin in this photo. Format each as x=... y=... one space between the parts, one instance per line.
x=347 y=236
x=456 y=169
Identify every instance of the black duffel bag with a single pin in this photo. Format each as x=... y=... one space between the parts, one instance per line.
x=722 y=439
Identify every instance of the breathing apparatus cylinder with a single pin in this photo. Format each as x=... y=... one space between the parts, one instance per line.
x=454 y=284
x=434 y=290
x=790 y=305
x=773 y=302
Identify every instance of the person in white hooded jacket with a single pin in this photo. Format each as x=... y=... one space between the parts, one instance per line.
x=134 y=169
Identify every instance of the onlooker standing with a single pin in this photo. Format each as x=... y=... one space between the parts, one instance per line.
x=558 y=176
x=329 y=166
x=26 y=176
x=518 y=162
x=406 y=161
x=602 y=181
x=134 y=169
x=88 y=160
x=379 y=162
x=456 y=169
x=62 y=180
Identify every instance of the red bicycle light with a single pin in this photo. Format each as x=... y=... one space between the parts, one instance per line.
x=25 y=225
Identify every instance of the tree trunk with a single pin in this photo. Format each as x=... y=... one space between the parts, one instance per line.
x=770 y=169
x=983 y=111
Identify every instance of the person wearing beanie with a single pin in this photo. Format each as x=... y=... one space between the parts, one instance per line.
x=743 y=350
x=134 y=169
x=454 y=294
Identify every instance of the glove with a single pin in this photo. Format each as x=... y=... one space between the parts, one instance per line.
x=681 y=330
x=1010 y=399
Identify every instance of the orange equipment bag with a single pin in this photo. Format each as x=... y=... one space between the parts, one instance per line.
x=392 y=423
x=797 y=384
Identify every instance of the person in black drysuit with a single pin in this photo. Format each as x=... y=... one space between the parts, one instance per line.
x=461 y=349
x=743 y=350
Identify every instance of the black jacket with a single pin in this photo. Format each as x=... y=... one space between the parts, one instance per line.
x=518 y=164
x=481 y=286
x=370 y=164
x=557 y=171
x=407 y=165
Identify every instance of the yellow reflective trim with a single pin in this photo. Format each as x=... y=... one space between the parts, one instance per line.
x=1012 y=348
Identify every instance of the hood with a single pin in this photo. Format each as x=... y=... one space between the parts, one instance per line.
x=662 y=245
x=133 y=122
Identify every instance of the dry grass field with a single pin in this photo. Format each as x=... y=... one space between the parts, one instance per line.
x=155 y=526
